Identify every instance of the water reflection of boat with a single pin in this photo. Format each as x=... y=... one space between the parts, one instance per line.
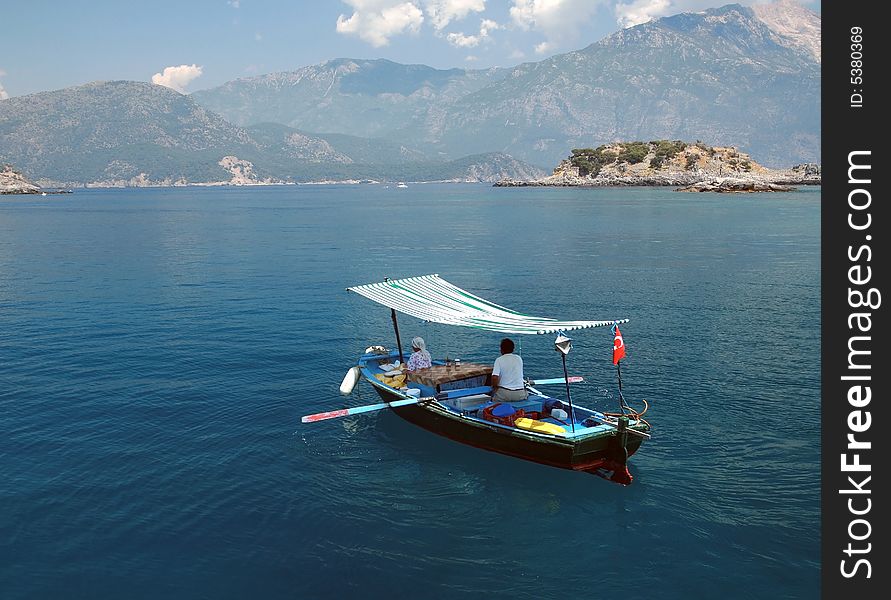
x=454 y=399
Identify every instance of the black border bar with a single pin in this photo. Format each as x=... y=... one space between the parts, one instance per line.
x=855 y=229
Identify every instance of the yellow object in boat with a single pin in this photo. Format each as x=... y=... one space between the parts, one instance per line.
x=539 y=426
x=397 y=381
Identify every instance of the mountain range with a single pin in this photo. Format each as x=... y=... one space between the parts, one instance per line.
x=735 y=76
x=134 y=133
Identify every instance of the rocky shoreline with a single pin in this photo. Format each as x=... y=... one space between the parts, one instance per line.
x=683 y=184
x=735 y=186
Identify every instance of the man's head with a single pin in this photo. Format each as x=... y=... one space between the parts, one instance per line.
x=507 y=346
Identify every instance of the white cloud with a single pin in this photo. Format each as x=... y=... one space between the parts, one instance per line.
x=641 y=11
x=3 y=93
x=522 y=12
x=376 y=21
x=443 y=12
x=460 y=40
x=543 y=47
x=487 y=25
x=177 y=78
x=560 y=21
x=234 y=3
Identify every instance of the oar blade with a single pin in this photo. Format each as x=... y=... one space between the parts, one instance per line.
x=358 y=410
x=331 y=414
x=556 y=380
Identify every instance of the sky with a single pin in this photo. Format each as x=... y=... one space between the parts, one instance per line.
x=198 y=44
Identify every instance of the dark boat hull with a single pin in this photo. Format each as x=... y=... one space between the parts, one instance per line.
x=604 y=454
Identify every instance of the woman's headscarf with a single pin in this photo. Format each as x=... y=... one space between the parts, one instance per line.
x=418 y=343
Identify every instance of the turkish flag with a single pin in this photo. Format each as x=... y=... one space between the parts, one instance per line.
x=618 y=346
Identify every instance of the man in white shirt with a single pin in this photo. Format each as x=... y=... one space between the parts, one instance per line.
x=507 y=375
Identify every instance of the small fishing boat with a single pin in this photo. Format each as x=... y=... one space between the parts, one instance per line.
x=455 y=399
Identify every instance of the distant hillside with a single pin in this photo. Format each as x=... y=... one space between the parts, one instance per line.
x=491 y=166
x=364 y=98
x=131 y=133
x=116 y=131
x=488 y=167
x=294 y=145
x=732 y=75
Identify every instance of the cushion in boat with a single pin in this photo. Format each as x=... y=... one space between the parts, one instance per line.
x=539 y=426
x=396 y=381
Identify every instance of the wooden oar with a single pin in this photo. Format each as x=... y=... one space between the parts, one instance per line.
x=331 y=414
x=572 y=379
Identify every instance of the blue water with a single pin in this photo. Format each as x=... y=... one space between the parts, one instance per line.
x=158 y=348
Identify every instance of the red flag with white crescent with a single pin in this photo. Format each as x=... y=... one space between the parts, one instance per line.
x=618 y=345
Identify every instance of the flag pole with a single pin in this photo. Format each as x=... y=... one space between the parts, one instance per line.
x=622 y=404
x=618 y=355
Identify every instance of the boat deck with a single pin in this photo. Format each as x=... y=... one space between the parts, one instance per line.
x=463 y=390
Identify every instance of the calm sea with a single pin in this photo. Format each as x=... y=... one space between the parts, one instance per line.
x=158 y=348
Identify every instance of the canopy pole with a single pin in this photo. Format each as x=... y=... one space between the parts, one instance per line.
x=396 y=329
x=568 y=397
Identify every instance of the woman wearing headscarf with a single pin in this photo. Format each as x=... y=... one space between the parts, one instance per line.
x=420 y=358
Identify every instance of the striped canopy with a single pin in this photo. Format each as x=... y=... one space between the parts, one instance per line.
x=431 y=298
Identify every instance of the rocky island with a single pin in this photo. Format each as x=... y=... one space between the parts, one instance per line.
x=13 y=182
x=692 y=167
